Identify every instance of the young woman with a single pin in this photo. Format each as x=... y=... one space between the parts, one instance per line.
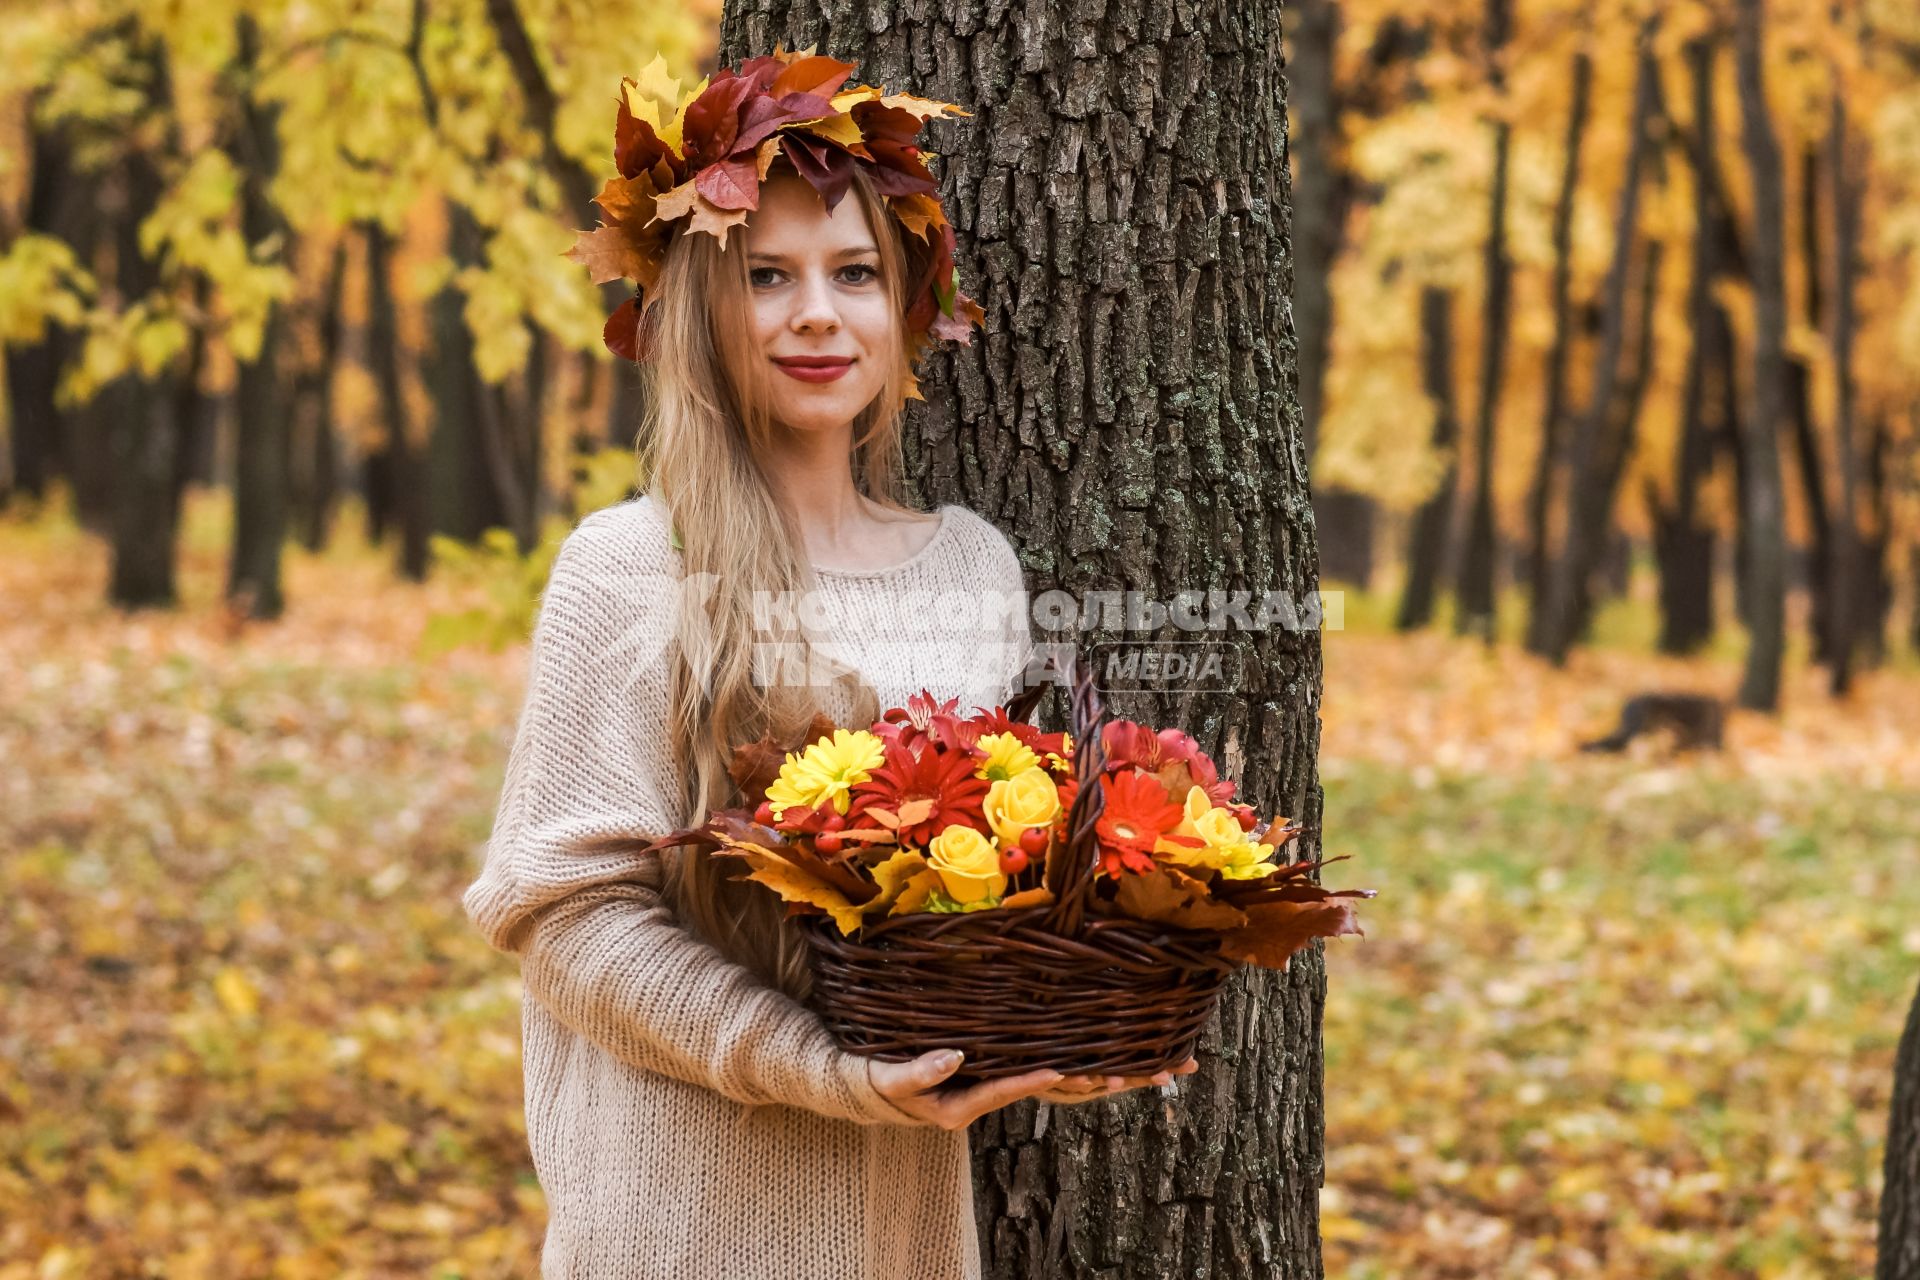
x=688 y=1117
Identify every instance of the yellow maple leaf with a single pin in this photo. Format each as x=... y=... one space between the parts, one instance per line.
x=795 y=885
x=922 y=108
x=918 y=889
x=840 y=129
x=895 y=874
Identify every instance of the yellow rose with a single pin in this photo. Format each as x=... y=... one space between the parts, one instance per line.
x=1027 y=799
x=1229 y=849
x=967 y=863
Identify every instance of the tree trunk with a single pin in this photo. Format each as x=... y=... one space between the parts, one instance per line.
x=317 y=483
x=470 y=470
x=1876 y=555
x=55 y=199
x=1598 y=445
x=1594 y=504
x=141 y=419
x=397 y=475
x=1427 y=535
x=1129 y=416
x=1760 y=440
x=1847 y=580
x=1322 y=193
x=1476 y=595
x=1553 y=416
x=1683 y=542
x=1810 y=467
x=262 y=472
x=1900 y=1198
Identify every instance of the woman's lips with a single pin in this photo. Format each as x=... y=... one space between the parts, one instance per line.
x=814 y=368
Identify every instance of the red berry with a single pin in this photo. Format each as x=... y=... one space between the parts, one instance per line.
x=1246 y=818
x=833 y=821
x=1013 y=861
x=1033 y=841
x=764 y=814
x=826 y=842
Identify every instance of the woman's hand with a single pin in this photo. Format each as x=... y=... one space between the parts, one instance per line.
x=1073 y=1089
x=909 y=1086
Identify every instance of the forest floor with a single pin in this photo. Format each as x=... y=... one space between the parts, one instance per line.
x=1613 y=1016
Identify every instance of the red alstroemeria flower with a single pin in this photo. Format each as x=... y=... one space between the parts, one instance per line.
x=1136 y=813
x=924 y=720
x=1171 y=754
x=922 y=772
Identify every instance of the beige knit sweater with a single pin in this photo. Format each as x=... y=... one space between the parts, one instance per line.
x=686 y=1121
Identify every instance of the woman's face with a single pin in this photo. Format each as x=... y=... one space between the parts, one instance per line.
x=823 y=317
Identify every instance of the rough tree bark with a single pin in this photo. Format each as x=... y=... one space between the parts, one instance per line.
x=1427 y=534
x=1476 y=612
x=1760 y=437
x=1900 y=1200
x=1129 y=416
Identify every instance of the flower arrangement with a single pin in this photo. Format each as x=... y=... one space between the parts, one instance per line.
x=929 y=811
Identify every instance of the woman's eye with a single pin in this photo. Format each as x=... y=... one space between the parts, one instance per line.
x=871 y=272
x=755 y=275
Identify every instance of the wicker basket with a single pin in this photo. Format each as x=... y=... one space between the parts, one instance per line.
x=1062 y=985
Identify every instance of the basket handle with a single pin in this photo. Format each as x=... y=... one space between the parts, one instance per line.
x=1070 y=874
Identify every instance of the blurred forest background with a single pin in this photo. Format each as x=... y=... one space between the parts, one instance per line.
x=1609 y=340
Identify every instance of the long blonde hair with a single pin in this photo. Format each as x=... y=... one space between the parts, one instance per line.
x=703 y=451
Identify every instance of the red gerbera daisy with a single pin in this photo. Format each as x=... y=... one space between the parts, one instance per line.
x=1135 y=814
x=943 y=781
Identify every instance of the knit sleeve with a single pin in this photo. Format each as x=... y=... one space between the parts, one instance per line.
x=588 y=778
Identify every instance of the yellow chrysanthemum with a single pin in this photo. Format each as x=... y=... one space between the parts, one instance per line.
x=1061 y=763
x=1006 y=756
x=1229 y=849
x=826 y=771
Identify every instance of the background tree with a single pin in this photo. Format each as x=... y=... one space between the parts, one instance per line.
x=1121 y=202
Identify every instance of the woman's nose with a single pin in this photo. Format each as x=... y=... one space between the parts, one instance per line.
x=814 y=310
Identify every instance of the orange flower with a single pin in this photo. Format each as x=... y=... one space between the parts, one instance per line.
x=1136 y=814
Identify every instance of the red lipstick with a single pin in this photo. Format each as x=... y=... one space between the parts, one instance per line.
x=814 y=368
